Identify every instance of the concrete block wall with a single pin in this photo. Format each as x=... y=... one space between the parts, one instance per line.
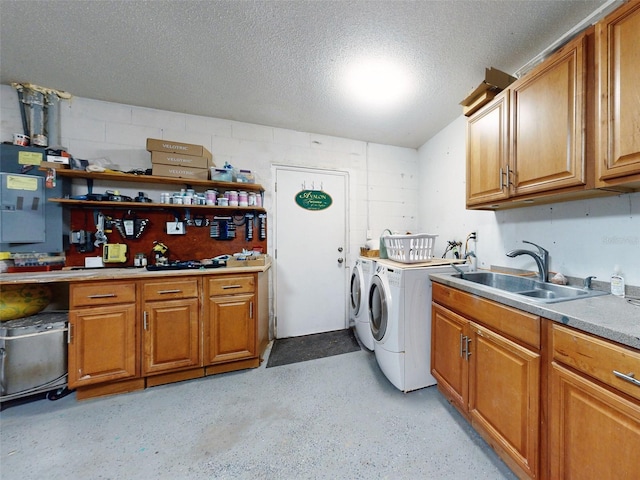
x=383 y=179
x=584 y=237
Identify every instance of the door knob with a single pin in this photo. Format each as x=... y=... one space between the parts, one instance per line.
x=340 y=249
x=340 y=260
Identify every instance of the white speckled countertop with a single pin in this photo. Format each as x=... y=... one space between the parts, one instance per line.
x=607 y=316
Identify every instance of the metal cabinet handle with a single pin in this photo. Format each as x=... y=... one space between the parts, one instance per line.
x=163 y=292
x=629 y=377
x=464 y=347
x=69 y=334
x=225 y=287
x=250 y=309
x=103 y=295
x=145 y=321
x=501 y=177
x=509 y=177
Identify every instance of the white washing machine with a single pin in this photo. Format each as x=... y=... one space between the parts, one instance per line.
x=400 y=319
x=363 y=272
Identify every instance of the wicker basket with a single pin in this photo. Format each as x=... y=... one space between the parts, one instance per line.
x=410 y=248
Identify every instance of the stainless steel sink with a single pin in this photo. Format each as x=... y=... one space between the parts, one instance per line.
x=534 y=290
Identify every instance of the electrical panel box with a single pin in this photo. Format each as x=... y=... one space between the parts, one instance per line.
x=29 y=222
x=21 y=208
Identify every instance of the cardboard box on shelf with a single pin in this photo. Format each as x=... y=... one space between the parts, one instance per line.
x=252 y=261
x=494 y=82
x=180 y=160
x=157 y=145
x=178 y=171
x=480 y=101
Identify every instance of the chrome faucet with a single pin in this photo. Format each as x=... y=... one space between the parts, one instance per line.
x=541 y=257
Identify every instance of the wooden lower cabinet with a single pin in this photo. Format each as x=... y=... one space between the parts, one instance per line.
x=128 y=335
x=595 y=433
x=232 y=331
x=555 y=403
x=231 y=320
x=491 y=379
x=171 y=325
x=103 y=340
x=449 y=364
x=504 y=397
x=102 y=345
x=171 y=336
x=594 y=415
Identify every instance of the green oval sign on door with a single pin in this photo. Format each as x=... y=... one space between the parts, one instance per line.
x=313 y=199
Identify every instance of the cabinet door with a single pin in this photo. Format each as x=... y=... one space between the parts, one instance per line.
x=171 y=335
x=103 y=345
x=448 y=355
x=548 y=114
x=231 y=333
x=594 y=432
x=617 y=47
x=504 y=391
x=488 y=152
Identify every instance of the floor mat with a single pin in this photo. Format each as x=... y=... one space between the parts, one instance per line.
x=310 y=347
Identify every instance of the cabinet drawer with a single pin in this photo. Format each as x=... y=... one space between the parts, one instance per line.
x=597 y=358
x=171 y=289
x=102 y=293
x=230 y=285
x=509 y=321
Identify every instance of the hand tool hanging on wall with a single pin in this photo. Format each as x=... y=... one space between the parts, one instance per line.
x=222 y=228
x=262 y=226
x=100 y=236
x=130 y=226
x=248 y=224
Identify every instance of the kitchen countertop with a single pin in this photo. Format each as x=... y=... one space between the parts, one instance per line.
x=109 y=273
x=606 y=316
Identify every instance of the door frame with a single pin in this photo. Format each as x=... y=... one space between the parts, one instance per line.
x=275 y=167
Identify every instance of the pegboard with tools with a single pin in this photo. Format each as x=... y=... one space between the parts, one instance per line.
x=188 y=235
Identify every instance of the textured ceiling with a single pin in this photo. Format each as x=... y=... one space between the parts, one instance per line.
x=278 y=63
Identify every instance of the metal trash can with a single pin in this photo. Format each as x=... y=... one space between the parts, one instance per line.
x=33 y=355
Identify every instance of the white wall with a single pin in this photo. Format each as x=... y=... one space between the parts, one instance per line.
x=584 y=237
x=383 y=179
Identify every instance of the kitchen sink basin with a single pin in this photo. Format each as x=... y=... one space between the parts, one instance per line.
x=534 y=290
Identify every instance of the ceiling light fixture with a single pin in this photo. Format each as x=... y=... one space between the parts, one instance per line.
x=379 y=84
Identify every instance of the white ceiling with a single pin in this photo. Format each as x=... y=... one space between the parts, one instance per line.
x=278 y=62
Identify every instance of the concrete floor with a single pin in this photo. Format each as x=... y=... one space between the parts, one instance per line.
x=333 y=418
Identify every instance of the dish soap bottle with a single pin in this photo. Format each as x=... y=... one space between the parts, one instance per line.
x=617 y=282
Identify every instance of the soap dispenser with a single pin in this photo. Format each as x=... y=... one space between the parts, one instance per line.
x=617 y=282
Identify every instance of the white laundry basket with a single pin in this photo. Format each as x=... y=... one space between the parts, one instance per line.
x=410 y=248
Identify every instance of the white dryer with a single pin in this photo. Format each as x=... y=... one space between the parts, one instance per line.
x=363 y=272
x=400 y=320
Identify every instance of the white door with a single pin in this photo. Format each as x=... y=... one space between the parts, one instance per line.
x=310 y=251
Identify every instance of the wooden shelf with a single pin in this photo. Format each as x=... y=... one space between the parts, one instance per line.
x=129 y=177
x=150 y=206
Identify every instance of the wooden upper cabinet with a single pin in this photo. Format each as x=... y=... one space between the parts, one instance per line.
x=548 y=113
x=488 y=152
x=618 y=74
x=532 y=142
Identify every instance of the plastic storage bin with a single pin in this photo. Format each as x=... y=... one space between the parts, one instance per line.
x=222 y=174
x=410 y=248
